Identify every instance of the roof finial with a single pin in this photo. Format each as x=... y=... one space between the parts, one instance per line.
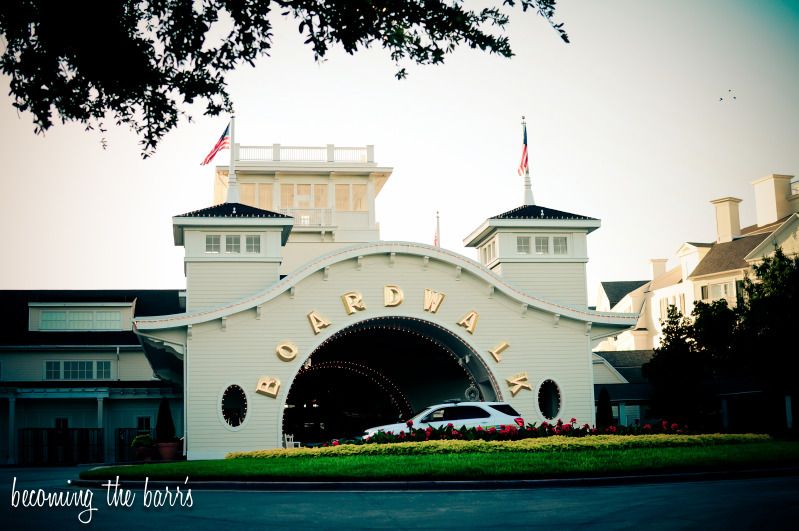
x=524 y=168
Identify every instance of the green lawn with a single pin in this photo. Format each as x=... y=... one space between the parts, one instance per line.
x=464 y=465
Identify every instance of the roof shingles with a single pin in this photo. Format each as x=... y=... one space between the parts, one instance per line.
x=728 y=256
x=538 y=212
x=232 y=210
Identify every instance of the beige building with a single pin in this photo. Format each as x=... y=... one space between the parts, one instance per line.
x=708 y=271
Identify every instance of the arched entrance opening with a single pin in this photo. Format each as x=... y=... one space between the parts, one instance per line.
x=380 y=371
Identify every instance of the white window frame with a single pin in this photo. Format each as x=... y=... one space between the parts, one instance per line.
x=232 y=243
x=211 y=241
x=74 y=317
x=539 y=239
x=523 y=244
x=565 y=240
x=255 y=247
x=62 y=369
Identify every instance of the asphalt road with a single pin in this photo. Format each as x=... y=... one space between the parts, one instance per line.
x=763 y=503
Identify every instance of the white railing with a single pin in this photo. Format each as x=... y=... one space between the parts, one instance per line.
x=328 y=153
x=309 y=217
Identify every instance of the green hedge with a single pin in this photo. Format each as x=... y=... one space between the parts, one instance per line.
x=545 y=444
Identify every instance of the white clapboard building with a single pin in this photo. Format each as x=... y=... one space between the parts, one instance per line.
x=300 y=322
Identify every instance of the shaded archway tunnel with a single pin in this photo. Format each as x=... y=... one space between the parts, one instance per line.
x=380 y=371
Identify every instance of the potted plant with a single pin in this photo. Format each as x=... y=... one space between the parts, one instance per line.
x=166 y=442
x=143 y=444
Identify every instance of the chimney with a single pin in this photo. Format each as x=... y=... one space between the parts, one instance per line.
x=771 y=198
x=658 y=267
x=728 y=224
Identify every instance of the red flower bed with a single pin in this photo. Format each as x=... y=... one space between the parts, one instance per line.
x=509 y=432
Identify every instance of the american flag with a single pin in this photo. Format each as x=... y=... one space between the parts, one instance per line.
x=222 y=143
x=523 y=164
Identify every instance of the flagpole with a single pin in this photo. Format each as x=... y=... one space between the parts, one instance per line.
x=233 y=185
x=528 y=188
x=438 y=232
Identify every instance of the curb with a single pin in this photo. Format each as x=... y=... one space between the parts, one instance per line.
x=498 y=484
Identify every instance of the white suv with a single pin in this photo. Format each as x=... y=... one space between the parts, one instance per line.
x=469 y=414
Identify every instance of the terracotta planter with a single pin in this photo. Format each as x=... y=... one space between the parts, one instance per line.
x=167 y=450
x=145 y=453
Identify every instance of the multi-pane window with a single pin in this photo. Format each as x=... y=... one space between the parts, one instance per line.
x=247 y=193
x=359 y=197
x=232 y=243
x=342 y=197
x=351 y=197
x=52 y=370
x=77 y=370
x=143 y=424
x=489 y=251
x=103 y=370
x=286 y=196
x=320 y=195
x=523 y=244
x=212 y=243
x=80 y=320
x=107 y=320
x=253 y=242
x=542 y=245
x=265 y=197
x=304 y=198
x=714 y=292
x=560 y=245
x=53 y=320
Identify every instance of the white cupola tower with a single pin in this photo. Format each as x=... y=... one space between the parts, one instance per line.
x=540 y=250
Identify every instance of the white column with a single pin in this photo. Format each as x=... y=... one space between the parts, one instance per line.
x=12 y=430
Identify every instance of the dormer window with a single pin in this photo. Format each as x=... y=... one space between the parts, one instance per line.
x=253 y=242
x=79 y=316
x=523 y=244
x=212 y=243
x=541 y=245
x=233 y=243
x=560 y=245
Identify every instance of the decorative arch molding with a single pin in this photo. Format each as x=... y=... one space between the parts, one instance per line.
x=390 y=250
x=474 y=363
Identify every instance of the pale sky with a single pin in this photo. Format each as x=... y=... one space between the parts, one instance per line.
x=624 y=124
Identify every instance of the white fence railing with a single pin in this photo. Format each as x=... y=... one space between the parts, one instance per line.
x=328 y=153
x=309 y=217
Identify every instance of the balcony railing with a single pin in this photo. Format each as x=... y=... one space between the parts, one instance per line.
x=309 y=217
x=60 y=447
x=328 y=153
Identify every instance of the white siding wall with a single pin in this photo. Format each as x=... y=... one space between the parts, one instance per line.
x=555 y=282
x=210 y=284
x=246 y=350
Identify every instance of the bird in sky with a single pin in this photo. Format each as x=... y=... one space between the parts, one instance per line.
x=730 y=96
